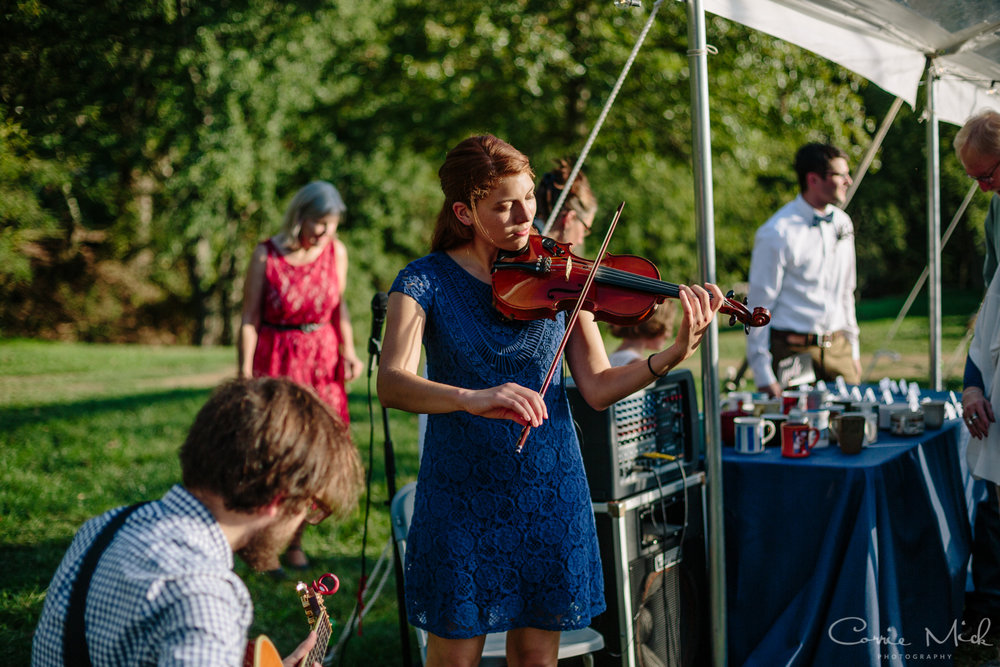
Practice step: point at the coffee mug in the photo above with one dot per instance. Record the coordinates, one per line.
(776, 418)
(933, 413)
(797, 439)
(751, 434)
(816, 398)
(885, 413)
(853, 430)
(726, 425)
(835, 411)
(792, 398)
(870, 410)
(819, 420)
(909, 422)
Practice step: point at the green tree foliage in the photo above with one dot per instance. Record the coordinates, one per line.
(29, 193)
(155, 143)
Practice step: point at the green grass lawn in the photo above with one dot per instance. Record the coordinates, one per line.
(84, 428)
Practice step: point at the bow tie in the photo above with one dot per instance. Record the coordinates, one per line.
(822, 218)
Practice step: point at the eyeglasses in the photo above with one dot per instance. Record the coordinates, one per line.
(580, 216)
(843, 174)
(317, 512)
(986, 180)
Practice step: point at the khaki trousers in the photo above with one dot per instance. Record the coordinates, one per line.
(828, 362)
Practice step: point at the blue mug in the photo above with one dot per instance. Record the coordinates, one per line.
(751, 434)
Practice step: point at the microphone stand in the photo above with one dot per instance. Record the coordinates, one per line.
(374, 355)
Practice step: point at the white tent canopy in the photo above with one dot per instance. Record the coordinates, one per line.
(889, 43)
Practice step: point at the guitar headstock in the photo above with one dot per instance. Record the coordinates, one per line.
(319, 620)
(260, 652)
(314, 607)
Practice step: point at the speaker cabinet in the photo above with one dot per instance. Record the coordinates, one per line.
(655, 577)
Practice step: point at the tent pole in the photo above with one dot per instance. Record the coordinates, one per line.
(933, 232)
(705, 221)
(866, 161)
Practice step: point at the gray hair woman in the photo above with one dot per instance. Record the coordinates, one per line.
(295, 322)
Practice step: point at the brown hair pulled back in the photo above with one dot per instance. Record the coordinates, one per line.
(470, 171)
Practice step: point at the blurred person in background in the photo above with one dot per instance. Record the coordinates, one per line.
(650, 334)
(804, 271)
(295, 322)
(576, 215)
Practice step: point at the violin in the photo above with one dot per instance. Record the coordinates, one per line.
(544, 278)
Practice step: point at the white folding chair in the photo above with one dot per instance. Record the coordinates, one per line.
(572, 643)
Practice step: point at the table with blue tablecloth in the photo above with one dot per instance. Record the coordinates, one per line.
(847, 560)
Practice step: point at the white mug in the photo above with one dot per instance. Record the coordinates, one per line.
(819, 420)
(871, 412)
(751, 433)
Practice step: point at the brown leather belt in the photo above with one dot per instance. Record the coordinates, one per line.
(807, 340)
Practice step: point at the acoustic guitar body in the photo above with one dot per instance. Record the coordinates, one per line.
(261, 653)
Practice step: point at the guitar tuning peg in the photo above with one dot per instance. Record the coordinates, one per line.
(323, 588)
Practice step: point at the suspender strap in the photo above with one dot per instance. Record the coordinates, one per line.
(75, 650)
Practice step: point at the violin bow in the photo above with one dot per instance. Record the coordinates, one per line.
(572, 320)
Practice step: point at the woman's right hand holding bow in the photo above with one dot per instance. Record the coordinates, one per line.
(507, 401)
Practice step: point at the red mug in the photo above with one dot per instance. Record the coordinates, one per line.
(796, 441)
(727, 427)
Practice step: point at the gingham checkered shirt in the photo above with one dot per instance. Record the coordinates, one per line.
(164, 592)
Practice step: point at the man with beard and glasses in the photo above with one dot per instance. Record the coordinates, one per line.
(262, 457)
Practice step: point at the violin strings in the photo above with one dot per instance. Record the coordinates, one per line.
(625, 279)
(620, 278)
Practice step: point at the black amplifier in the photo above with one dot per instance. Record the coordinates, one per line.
(639, 442)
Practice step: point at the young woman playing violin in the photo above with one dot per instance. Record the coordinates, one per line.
(500, 540)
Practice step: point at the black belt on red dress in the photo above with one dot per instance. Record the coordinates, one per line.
(308, 327)
(807, 339)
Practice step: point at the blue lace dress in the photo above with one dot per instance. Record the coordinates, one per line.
(498, 540)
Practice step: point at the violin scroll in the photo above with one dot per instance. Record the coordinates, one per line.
(738, 312)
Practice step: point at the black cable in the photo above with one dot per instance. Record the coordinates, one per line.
(363, 580)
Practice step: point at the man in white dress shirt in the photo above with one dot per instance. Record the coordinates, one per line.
(803, 270)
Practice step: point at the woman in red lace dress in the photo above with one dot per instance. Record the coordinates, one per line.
(295, 323)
